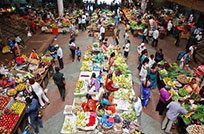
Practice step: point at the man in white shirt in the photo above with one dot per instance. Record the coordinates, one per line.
(18, 39)
(145, 33)
(151, 22)
(102, 32)
(199, 37)
(140, 48)
(126, 48)
(193, 49)
(83, 22)
(137, 107)
(155, 38)
(169, 26)
(60, 56)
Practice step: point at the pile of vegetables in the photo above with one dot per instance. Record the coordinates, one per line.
(182, 92)
(132, 116)
(163, 73)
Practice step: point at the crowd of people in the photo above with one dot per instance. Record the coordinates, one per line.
(147, 67)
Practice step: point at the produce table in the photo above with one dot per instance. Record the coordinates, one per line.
(12, 114)
(76, 119)
(178, 81)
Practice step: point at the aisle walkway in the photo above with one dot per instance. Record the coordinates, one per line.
(53, 117)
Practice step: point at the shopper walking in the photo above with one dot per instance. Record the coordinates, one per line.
(102, 33)
(60, 56)
(72, 48)
(117, 37)
(169, 27)
(126, 48)
(164, 99)
(59, 80)
(145, 33)
(155, 38)
(32, 111)
(146, 87)
(36, 89)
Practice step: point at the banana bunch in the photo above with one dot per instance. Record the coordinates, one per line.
(67, 125)
(80, 121)
(24, 57)
(79, 85)
(136, 132)
(85, 67)
(18, 107)
(20, 87)
(87, 58)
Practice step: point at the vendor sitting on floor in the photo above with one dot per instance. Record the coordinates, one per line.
(5, 83)
(195, 86)
(111, 60)
(107, 100)
(33, 58)
(90, 105)
(109, 84)
(94, 82)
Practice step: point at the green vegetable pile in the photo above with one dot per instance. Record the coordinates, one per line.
(163, 73)
(182, 92)
(175, 98)
(132, 116)
(199, 113)
(116, 94)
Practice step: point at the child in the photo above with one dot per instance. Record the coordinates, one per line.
(78, 54)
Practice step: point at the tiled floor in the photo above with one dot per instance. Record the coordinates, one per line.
(52, 115)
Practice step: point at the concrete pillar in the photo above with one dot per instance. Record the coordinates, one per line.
(60, 8)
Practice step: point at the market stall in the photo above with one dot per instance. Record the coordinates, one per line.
(13, 90)
(76, 120)
(183, 88)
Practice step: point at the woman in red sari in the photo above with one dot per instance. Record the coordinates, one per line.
(109, 84)
(90, 105)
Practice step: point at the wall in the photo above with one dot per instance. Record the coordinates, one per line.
(194, 4)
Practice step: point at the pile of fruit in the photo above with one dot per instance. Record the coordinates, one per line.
(79, 85)
(8, 120)
(182, 92)
(122, 81)
(80, 121)
(18, 107)
(129, 116)
(195, 129)
(67, 126)
(86, 66)
(20, 87)
(11, 92)
(87, 58)
(4, 101)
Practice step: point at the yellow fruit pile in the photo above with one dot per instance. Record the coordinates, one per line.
(12, 92)
(18, 107)
(87, 58)
(85, 66)
(24, 57)
(80, 121)
(122, 81)
(79, 85)
(20, 87)
(67, 125)
(126, 96)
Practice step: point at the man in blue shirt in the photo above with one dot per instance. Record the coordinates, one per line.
(32, 111)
